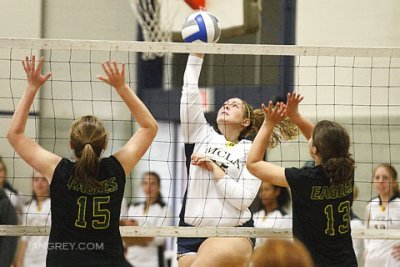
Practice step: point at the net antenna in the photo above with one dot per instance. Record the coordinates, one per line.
(154, 28)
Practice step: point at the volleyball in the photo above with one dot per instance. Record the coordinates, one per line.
(201, 26)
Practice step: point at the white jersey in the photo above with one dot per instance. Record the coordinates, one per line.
(378, 217)
(358, 243)
(36, 246)
(157, 215)
(273, 220)
(211, 203)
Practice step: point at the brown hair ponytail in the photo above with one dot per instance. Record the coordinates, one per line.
(88, 139)
(339, 169)
(333, 143)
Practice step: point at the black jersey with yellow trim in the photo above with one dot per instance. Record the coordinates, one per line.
(321, 215)
(85, 219)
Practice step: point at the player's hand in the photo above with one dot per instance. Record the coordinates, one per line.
(273, 114)
(292, 104)
(203, 161)
(33, 73)
(396, 252)
(115, 77)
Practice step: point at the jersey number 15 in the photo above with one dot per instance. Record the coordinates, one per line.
(101, 215)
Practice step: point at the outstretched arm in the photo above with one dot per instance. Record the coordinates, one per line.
(193, 121)
(138, 144)
(292, 111)
(40, 159)
(255, 160)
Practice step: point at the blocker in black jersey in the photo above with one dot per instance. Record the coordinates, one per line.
(86, 195)
(85, 220)
(321, 215)
(322, 195)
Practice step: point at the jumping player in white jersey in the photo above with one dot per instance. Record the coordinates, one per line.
(322, 195)
(383, 212)
(220, 188)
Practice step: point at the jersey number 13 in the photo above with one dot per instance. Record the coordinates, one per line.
(342, 210)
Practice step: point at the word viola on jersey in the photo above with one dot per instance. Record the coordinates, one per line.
(332, 191)
(106, 186)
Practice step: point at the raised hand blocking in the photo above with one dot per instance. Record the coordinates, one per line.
(115, 77)
(34, 74)
(272, 114)
(292, 104)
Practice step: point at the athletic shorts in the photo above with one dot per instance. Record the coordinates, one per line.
(190, 245)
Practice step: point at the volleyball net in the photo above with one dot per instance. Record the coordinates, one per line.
(357, 87)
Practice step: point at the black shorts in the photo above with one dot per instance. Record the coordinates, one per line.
(187, 245)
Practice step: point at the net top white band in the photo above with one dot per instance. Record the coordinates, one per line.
(173, 47)
(172, 231)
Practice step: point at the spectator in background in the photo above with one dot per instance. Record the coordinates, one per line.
(148, 251)
(281, 253)
(16, 200)
(8, 216)
(273, 211)
(383, 212)
(33, 249)
(356, 223)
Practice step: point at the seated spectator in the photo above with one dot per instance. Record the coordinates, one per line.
(383, 212)
(273, 209)
(147, 251)
(16, 200)
(33, 249)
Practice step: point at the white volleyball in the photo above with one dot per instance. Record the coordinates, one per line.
(201, 26)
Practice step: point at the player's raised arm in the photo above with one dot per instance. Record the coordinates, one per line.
(192, 116)
(138, 144)
(292, 111)
(36, 156)
(255, 160)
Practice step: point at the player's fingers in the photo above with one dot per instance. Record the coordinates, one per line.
(40, 65)
(264, 108)
(102, 78)
(123, 70)
(270, 106)
(47, 76)
(110, 66)
(276, 107)
(115, 67)
(281, 109)
(106, 68)
(33, 62)
(25, 64)
(289, 98)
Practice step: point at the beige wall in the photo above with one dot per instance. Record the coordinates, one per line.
(364, 23)
(20, 18)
